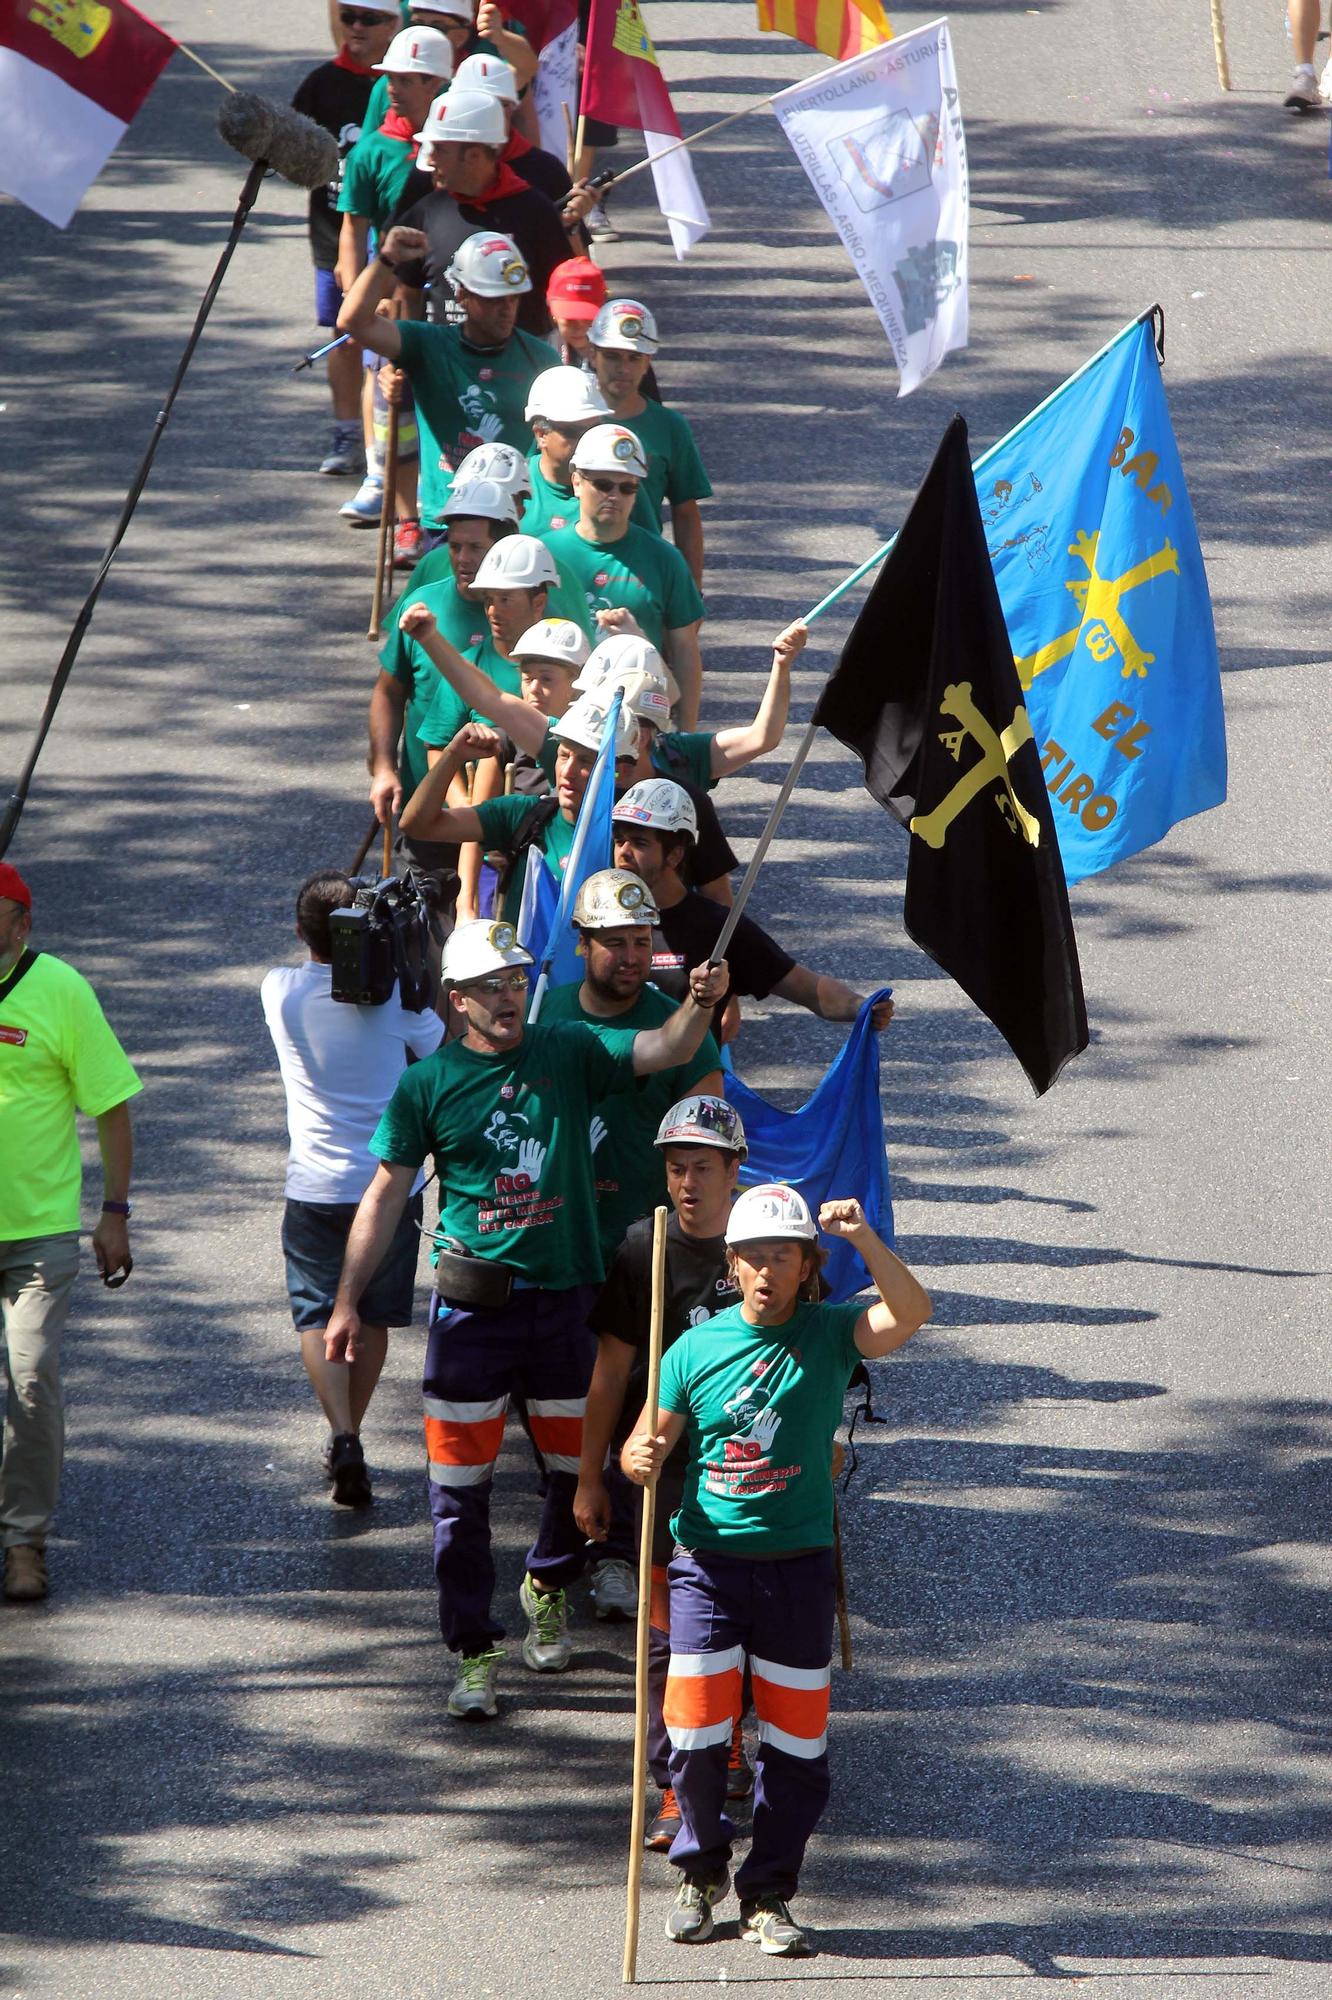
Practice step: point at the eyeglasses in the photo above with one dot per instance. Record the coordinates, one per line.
(568, 430)
(504, 982)
(616, 485)
(354, 17)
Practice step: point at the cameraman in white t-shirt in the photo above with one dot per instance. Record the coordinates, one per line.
(339, 1064)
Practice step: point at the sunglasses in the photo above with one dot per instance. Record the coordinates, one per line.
(616, 485)
(352, 17)
(574, 431)
(506, 982)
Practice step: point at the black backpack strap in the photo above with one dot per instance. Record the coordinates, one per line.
(26, 962)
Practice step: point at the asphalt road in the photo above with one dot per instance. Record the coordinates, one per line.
(1087, 1733)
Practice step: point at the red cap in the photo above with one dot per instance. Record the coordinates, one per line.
(13, 885)
(577, 289)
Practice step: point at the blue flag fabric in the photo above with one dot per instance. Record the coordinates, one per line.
(590, 852)
(830, 1148)
(540, 900)
(1096, 555)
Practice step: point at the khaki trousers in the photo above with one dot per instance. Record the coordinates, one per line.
(37, 1276)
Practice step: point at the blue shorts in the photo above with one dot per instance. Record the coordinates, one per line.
(314, 1239)
(328, 298)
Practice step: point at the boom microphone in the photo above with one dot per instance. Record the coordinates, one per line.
(283, 139)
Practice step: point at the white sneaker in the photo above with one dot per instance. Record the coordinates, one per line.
(614, 1589)
(1325, 83)
(474, 1690)
(546, 1649)
(1303, 94)
(600, 227)
(366, 504)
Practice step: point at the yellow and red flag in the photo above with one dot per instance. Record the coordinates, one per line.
(838, 28)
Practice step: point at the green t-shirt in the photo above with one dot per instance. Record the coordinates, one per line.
(552, 506)
(631, 1174)
(675, 470)
(509, 1134)
(464, 626)
(374, 174)
(644, 573)
(57, 1056)
(763, 1403)
(466, 396)
(448, 711)
(686, 756)
(500, 820)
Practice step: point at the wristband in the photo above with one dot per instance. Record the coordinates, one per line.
(117, 1208)
(387, 262)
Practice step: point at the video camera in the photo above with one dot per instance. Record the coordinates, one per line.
(381, 940)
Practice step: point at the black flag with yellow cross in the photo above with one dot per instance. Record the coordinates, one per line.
(927, 695)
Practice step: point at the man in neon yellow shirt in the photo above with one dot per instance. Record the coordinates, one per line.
(57, 1056)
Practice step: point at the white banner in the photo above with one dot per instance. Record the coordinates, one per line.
(555, 87)
(881, 139)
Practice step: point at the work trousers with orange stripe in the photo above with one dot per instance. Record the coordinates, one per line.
(779, 1616)
(539, 1345)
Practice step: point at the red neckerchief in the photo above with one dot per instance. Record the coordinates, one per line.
(397, 125)
(343, 61)
(516, 147)
(506, 182)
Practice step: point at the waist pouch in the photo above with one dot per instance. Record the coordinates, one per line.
(472, 1282)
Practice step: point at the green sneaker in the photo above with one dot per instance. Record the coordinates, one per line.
(473, 1694)
(768, 1923)
(690, 1920)
(546, 1649)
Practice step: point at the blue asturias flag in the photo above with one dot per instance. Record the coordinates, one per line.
(830, 1148)
(540, 900)
(1096, 555)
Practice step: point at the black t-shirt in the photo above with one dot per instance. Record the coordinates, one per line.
(336, 99)
(685, 937)
(531, 219)
(542, 171)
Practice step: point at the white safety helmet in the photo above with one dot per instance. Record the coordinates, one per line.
(492, 266)
(481, 499)
(503, 463)
(419, 52)
(583, 724)
(552, 641)
(515, 562)
(768, 1212)
(703, 1121)
(490, 75)
(566, 396)
(644, 696)
(462, 118)
(621, 653)
(380, 6)
(450, 10)
(658, 803)
(479, 947)
(613, 899)
(626, 324)
(610, 448)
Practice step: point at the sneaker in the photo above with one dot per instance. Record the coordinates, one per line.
(351, 1481)
(1325, 83)
(546, 1649)
(614, 1589)
(739, 1777)
(473, 1696)
(347, 455)
(665, 1826)
(690, 1920)
(600, 227)
(408, 545)
(768, 1923)
(25, 1574)
(366, 504)
(1303, 94)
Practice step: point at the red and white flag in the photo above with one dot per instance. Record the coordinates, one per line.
(72, 75)
(623, 84)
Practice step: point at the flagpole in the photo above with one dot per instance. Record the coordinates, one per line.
(610, 729)
(640, 166)
(872, 562)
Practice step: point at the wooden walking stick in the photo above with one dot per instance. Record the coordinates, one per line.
(1219, 45)
(388, 506)
(839, 1575)
(388, 846)
(364, 848)
(639, 1812)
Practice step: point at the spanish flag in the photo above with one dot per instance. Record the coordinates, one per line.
(838, 28)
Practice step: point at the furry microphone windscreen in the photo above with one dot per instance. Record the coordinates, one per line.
(293, 145)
